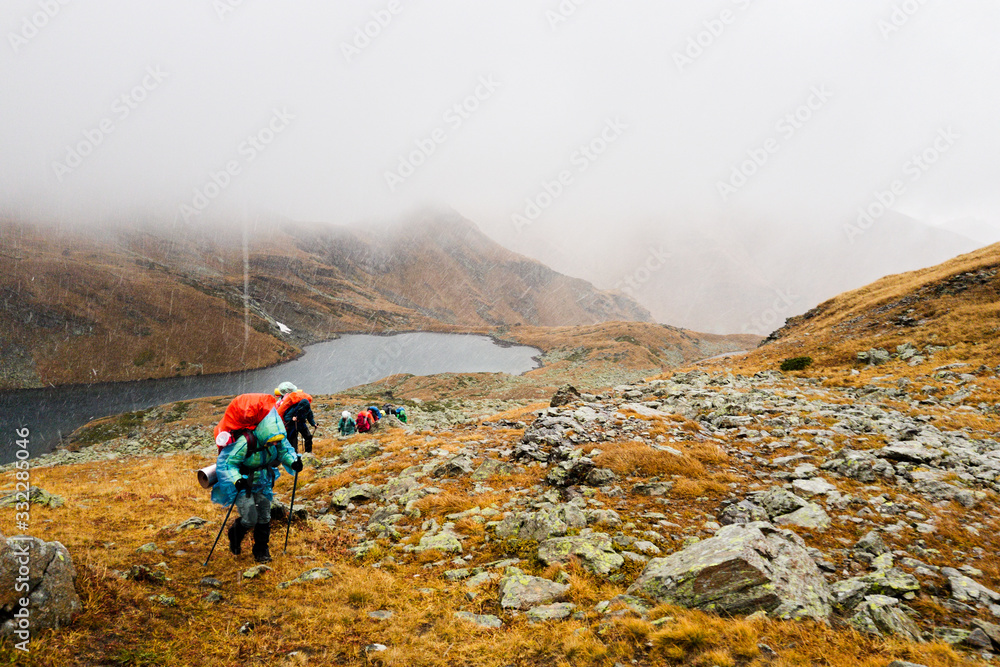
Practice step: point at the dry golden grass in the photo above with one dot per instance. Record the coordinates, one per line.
(637, 458)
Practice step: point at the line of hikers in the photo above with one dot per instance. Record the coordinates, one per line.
(368, 418)
(258, 434)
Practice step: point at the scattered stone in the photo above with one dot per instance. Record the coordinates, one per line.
(256, 571)
(595, 552)
(882, 615)
(564, 396)
(36, 496)
(454, 467)
(482, 620)
(190, 524)
(551, 612)
(315, 574)
(165, 600)
(359, 451)
(522, 592)
(380, 615)
(148, 548)
(811, 516)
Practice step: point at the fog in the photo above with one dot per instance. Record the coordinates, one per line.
(584, 133)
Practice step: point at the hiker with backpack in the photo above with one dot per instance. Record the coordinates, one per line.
(295, 408)
(247, 468)
(346, 426)
(399, 412)
(365, 421)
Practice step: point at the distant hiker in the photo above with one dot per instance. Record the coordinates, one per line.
(247, 469)
(399, 412)
(346, 425)
(242, 414)
(295, 409)
(364, 421)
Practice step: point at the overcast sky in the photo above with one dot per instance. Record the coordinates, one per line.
(117, 105)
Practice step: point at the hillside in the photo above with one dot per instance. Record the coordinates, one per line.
(947, 313)
(496, 533)
(145, 302)
(724, 515)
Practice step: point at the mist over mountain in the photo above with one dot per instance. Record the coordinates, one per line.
(745, 276)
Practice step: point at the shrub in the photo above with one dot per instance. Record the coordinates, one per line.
(796, 363)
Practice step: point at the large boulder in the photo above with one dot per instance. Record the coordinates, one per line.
(47, 571)
(882, 615)
(742, 569)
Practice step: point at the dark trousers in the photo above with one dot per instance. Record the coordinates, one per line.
(293, 430)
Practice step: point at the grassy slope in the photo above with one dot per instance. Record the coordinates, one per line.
(113, 509)
(955, 305)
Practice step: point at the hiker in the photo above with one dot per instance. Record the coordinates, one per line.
(346, 425)
(247, 470)
(376, 413)
(364, 421)
(295, 408)
(401, 414)
(396, 411)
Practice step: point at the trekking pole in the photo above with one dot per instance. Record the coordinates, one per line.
(291, 507)
(222, 528)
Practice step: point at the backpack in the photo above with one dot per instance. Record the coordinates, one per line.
(364, 423)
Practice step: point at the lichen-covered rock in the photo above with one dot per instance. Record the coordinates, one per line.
(862, 466)
(51, 580)
(315, 574)
(595, 551)
(521, 591)
(492, 467)
(742, 569)
(341, 498)
(882, 615)
(456, 466)
(36, 496)
(543, 524)
(965, 589)
(550, 612)
(811, 516)
(360, 450)
(570, 472)
(565, 395)
(777, 502)
(742, 512)
(482, 620)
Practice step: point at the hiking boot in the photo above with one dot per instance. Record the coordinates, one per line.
(236, 533)
(261, 536)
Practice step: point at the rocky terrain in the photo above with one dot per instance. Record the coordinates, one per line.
(600, 530)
